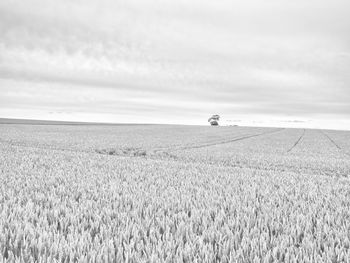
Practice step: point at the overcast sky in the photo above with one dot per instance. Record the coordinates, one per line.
(254, 62)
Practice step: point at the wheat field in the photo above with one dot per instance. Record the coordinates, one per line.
(167, 193)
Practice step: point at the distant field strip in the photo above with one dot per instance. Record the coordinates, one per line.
(297, 142)
(43, 147)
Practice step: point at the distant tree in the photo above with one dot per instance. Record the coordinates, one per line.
(214, 120)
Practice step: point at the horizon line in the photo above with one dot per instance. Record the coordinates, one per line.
(25, 121)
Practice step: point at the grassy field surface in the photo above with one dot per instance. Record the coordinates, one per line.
(167, 193)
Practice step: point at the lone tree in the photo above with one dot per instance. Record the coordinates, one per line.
(214, 120)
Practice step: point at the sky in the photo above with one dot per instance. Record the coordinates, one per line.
(254, 62)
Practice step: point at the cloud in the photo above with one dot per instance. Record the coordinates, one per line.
(277, 58)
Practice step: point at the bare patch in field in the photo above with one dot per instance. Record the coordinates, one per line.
(130, 151)
(135, 152)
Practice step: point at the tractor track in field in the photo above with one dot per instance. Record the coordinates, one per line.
(297, 141)
(335, 144)
(180, 146)
(226, 141)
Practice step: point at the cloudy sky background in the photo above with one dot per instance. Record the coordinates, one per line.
(254, 62)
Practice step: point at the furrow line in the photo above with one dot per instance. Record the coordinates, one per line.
(335, 144)
(297, 142)
(228, 141)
